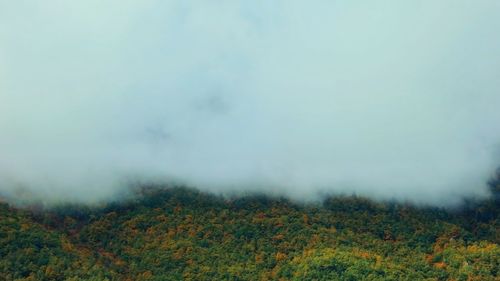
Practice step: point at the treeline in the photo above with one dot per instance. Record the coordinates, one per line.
(182, 234)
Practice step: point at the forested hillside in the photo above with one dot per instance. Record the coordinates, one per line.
(182, 234)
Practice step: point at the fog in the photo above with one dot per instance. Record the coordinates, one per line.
(386, 99)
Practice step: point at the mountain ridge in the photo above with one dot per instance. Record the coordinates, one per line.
(184, 234)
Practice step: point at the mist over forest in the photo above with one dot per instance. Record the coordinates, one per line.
(285, 140)
(389, 100)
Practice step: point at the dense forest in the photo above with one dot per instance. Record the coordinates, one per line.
(183, 234)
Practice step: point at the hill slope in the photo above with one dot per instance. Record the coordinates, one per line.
(181, 234)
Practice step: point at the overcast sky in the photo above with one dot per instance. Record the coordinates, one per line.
(389, 99)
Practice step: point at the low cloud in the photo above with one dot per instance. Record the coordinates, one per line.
(386, 99)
